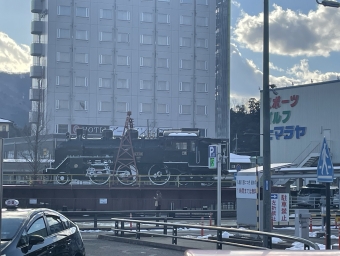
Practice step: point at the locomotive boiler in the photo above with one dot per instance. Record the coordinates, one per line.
(177, 155)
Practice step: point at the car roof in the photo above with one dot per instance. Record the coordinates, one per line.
(23, 213)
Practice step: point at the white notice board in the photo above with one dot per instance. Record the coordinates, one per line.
(246, 187)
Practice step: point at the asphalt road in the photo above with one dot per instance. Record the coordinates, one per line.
(99, 247)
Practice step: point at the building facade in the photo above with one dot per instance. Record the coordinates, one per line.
(95, 60)
(301, 116)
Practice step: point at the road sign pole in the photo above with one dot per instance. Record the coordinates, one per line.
(219, 185)
(328, 216)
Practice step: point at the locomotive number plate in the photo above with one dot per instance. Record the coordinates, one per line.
(138, 153)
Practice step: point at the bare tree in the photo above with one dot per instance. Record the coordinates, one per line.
(35, 152)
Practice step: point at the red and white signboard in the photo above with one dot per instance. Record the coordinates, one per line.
(280, 207)
(246, 187)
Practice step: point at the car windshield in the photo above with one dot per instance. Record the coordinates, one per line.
(9, 227)
(309, 191)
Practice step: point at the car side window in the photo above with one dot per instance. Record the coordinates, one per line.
(55, 223)
(38, 228)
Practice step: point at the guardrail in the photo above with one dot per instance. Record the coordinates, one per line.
(120, 229)
(96, 216)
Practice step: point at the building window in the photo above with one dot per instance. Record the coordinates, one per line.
(184, 109)
(163, 86)
(163, 0)
(202, 2)
(105, 59)
(61, 128)
(3, 127)
(202, 87)
(123, 38)
(185, 41)
(80, 105)
(185, 64)
(122, 83)
(104, 106)
(105, 14)
(63, 56)
(185, 20)
(145, 61)
(81, 58)
(145, 84)
(186, 1)
(122, 106)
(145, 107)
(63, 33)
(82, 35)
(202, 110)
(201, 65)
(146, 17)
(62, 80)
(163, 63)
(81, 81)
(105, 36)
(123, 15)
(184, 87)
(162, 108)
(64, 10)
(104, 82)
(122, 60)
(82, 12)
(202, 21)
(61, 104)
(145, 39)
(202, 42)
(163, 40)
(163, 18)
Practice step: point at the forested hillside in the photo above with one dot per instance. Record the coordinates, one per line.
(14, 100)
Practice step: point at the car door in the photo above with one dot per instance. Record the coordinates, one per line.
(59, 235)
(36, 227)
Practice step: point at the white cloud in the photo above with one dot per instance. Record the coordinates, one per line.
(14, 58)
(246, 77)
(292, 33)
(272, 66)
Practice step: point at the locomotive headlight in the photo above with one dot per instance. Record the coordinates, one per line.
(75, 166)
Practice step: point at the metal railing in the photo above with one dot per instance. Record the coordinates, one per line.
(120, 229)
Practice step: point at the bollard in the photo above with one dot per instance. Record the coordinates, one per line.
(310, 224)
(210, 219)
(130, 221)
(202, 232)
(339, 237)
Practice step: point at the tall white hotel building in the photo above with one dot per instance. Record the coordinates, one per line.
(96, 59)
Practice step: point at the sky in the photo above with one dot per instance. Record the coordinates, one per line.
(304, 43)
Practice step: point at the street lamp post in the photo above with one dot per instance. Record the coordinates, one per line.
(266, 176)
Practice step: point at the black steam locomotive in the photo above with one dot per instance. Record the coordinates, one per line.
(173, 155)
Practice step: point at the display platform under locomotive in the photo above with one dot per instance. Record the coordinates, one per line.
(173, 154)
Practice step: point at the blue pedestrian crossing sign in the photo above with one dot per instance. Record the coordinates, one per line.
(325, 171)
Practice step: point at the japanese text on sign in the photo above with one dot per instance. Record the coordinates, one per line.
(245, 187)
(287, 132)
(280, 207)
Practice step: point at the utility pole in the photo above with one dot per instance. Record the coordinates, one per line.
(266, 213)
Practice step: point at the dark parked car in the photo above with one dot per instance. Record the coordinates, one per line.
(38, 232)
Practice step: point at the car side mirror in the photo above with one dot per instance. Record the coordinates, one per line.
(35, 239)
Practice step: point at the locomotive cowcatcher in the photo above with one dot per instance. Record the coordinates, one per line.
(180, 154)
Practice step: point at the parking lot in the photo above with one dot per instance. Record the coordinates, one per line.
(98, 247)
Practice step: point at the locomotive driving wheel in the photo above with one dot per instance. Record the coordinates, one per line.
(159, 174)
(62, 178)
(99, 176)
(126, 175)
